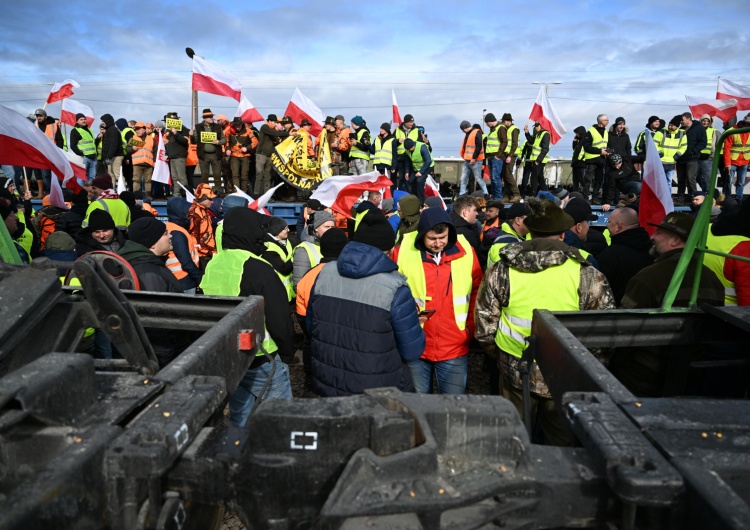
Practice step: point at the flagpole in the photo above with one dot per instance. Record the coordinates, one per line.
(194, 101)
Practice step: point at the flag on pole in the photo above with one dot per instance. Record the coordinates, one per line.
(259, 204)
(161, 166)
(121, 183)
(656, 194)
(248, 112)
(79, 171)
(431, 189)
(543, 112)
(724, 109)
(301, 107)
(62, 90)
(728, 90)
(71, 107)
(215, 79)
(56, 195)
(188, 194)
(340, 192)
(23, 144)
(396, 115)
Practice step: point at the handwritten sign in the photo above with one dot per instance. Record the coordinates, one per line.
(208, 137)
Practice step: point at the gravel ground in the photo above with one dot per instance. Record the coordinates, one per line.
(478, 383)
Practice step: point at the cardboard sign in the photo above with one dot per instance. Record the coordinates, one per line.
(137, 142)
(208, 137)
(174, 124)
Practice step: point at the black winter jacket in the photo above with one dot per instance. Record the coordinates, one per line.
(627, 254)
(112, 140)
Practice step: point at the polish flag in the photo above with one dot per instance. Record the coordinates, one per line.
(71, 107)
(340, 192)
(724, 109)
(656, 194)
(62, 90)
(301, 107)
(543, 112)
(188, 194)
(23, 144)
(248, 112)
(396, 115)
(79, 171)
(215, 79)
(431, 189)
(261, 202)
(729, 90)
(161, 166)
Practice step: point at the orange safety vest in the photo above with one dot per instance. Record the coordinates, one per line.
(486, 228)
(237, 146)
(50, 131)
(192, 154)
(144, 155)
(470, 146)
(173, 263)
(150, 209)
(46, 227)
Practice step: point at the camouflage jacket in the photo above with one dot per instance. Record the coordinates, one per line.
(532, 256)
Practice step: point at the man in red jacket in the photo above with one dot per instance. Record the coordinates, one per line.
(737, 157)
(443, 274)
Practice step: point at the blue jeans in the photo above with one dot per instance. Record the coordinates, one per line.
(418, 183)
(496, 176)
(704, 173)
(243, 398)
(670, 172)
(741, 173)
(90, 166)
(476, 169)
(451, 375)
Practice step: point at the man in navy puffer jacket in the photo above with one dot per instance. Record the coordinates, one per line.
(362, 317)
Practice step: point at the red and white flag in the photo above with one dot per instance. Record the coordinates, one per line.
(729, 90)
(340, 192)
(431, 189)
(656, 192)
(396, 115)
(301, 107)
(215, 79)
(23, 144)
(161, 166)
(62, 90)
(543, 112)
(248, 112)
(724, 109)
(79, 171)
(260, 203)
(188, 194)
(71, 107)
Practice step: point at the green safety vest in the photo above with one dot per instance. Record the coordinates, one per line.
(401, 135)
(529, 291)
(116, 208)
(26, 239)
(65, 142)
(723, 244)
(494, 254)
(669, 144)
(286, 280)
(86, 143)
(124, 142)
(357, 152)
(410, 265)
(493, 141)
(416, 157)
(519, 149)
(600, 142)
(536, 147)
(223, 277)
(383, 151)
(99, 150)
(313, 252)
(710, 132)
(510, 138)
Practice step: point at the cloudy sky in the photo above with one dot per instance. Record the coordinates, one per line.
(447, 61)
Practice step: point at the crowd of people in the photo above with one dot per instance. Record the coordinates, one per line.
(393, 293)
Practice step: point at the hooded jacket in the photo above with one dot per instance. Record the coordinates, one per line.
(85, 242)
(627, 254)
(469, 231)
(363, 323)
(153, 274)
(577, 159)
(445, 340)
(111, 141)
(243, 231)
(620, 143)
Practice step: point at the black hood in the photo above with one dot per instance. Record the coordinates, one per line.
(580, 131)
(243, 230)
(429, 218)
(108, 120)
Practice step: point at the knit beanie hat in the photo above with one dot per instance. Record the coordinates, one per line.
(100, 220)
(464, 125)
(276, 225)
(409, 206)
(358, 120)
(103, 182)
(80, 115)
(375, 230)
(386, 127)
(146, 231)
(333, 242)
(59, 241)
(321, 217)
(676, 121)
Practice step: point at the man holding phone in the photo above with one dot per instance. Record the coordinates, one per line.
(443, 273)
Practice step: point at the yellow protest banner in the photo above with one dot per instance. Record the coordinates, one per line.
(208, 137)
(174, 124)
(292, 164)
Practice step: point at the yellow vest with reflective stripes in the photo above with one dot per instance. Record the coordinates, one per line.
(115, 207)
(122, 137)
(669, 144)
(416, 157)
(536, 147)
(738, 148)
(357, 152)
(529, 291)
(410, 265)
(510, 138)
(285, 279)
(723, 244)
(223, 277)
(383, 151)
(313, 252)
(600, 142)
(493, 141)
(86, 143)
(494, 254)
(401, 135)
(710, 132)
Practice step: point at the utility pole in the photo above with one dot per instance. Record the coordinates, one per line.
(546, 85)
